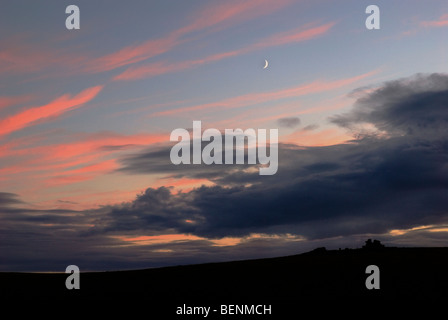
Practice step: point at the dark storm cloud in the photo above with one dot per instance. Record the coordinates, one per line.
(7, 198)
(368, 186)
(372, 184)
(157, 160)
(45, 240)
(290, 122)
(414, 106)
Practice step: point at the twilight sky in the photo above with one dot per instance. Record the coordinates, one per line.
(86, 117)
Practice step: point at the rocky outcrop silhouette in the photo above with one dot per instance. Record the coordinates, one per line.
(373, 245)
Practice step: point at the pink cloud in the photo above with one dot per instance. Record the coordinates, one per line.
(87, 172)
(53, 109)
(230, 12)
(20, 55)
(441, 22)
(7, 101)
(217, 15)
(261, 97)
(70, 162)
(294, 36)
(132, 54)
(326, 137)
(97, 144)
(157, 68)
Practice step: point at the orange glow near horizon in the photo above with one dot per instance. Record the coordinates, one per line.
(223, 242)
(443, 229)
(165, 238)
(399, 232)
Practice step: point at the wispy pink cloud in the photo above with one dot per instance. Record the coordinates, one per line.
(326, 137)
(441, 22)
(210, 18)
(293, 36)
(157, 68)
(132, 54)
(21, 55)
(53, 109)
(84, 173)
(227, 13)
(98, 144)
(69, 162)
(259, 116)
(7, 101)
(261, 97)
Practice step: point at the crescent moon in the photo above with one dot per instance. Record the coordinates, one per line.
(266, 64)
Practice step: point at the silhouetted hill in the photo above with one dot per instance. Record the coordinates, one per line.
(405, 273)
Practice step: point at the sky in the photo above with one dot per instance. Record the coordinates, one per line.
(86, 116)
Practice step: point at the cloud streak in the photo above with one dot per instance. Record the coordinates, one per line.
(441, 22)
(7, 101)
(262, 97)
(289, 122)
(158, 68)
(49, 111)
(210, 18)
(71, 161)
(19, 58)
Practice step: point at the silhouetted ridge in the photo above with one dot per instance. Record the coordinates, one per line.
(321, 274)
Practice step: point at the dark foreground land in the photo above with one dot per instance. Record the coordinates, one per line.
(319, 275)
